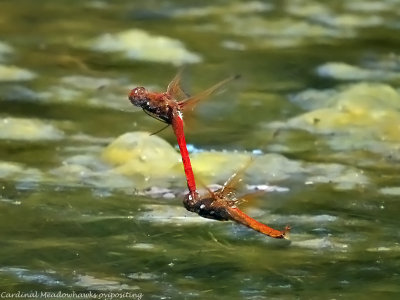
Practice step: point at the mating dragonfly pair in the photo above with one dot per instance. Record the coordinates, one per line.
(220, 204)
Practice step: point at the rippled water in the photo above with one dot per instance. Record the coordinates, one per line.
(318, 107)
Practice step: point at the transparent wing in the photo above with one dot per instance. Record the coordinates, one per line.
(204, 186)
(231, 184)
(191, 102)
(174, 87)
(249, 196)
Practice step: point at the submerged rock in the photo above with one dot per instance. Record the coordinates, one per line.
(13, 73)
(371, 6)
(47, 278)
(93, 91)
(25, 177)
(343, 71)
(361, 119)
(275, 167)
(216, 166)
(348, 20)
(84, 90)
(101, 284)
(18, 93)
(233, 8)
(142, 153)
(134, 161)
(307, 8)
(72, 173)
(391, 191)
(28, 130)
(282, 33)
(369, 109)
(321, 244)
(8, 169)
(137, 44)
(139, 154)
(78, 175)
(5, 50)
(340, 176)
(152, 167)
(290, 24)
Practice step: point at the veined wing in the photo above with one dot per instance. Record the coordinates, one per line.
(174, 87)
(191, 102)
(231, 184)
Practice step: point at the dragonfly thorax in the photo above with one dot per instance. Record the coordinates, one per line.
(158, 105)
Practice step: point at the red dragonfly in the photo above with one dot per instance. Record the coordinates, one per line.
(167, 108)
(218, 205)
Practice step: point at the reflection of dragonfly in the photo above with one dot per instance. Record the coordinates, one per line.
(167, 108)
(222, 204)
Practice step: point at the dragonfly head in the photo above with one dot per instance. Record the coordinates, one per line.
(138, 96)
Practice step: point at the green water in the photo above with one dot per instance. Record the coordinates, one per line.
(81, 237)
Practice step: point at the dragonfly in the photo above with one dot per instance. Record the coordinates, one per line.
(167, 108)
(222, 205)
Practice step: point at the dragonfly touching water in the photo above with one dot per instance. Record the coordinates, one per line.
(222, 204)
(216, 205)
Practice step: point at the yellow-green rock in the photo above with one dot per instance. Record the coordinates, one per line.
(360, 108)
(343, 71)
(216, 166)
(28, 129)
(141, 153)
(13, 73)
(137, 44)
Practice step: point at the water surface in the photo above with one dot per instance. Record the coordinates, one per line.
(318, 105)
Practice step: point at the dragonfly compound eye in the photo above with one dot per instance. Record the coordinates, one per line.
(138, 95)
